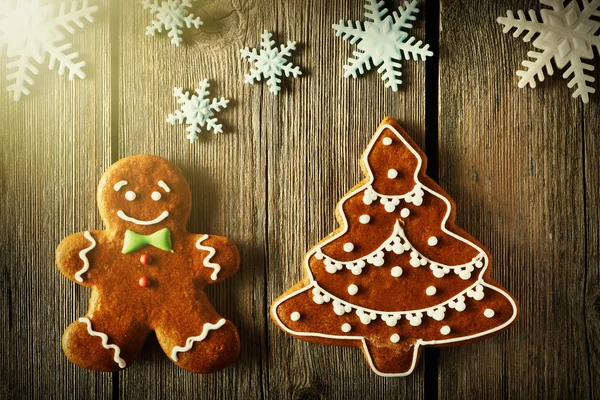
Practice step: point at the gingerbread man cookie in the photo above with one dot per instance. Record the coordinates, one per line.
(147, 273)
(397, 274)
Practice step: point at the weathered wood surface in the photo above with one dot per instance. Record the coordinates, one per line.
(521, 164)
(523, 168)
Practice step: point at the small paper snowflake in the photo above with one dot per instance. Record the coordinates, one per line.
(382, 41)
(566, 34)
(197, 111)
(270, 62)
(171, 15)
(31, 31)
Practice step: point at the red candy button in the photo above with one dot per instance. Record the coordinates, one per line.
(146, 259)
(144, 281)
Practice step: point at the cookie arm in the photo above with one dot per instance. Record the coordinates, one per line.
(217, 257)
(73, 256)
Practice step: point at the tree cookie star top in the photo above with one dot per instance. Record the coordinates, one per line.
(382, 41)
(397, 274)
(148, 273)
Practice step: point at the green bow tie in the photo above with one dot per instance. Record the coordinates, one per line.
(134, 241)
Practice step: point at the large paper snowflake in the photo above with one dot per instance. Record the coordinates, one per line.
(197, 111)
(566, 35)
(270, 62)
(31, 31)
(172, 15)
(382, 41)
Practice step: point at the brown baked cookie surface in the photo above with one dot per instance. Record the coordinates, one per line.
(397, 274)
(147, 273)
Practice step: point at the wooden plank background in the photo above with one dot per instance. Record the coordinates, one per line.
(522, 165)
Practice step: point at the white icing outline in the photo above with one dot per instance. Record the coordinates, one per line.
(156, 220)
(105, 344)
(191, 340)
(206, 262)
(119, 185)
(83, 256)
(344, 226)
(163, 185)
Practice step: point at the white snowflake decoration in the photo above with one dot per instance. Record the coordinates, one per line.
(172, 15)
(30, 31)
(382, 41)
(197, 111)
(566, 34)
(270, 62)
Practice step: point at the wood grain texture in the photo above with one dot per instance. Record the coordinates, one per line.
(55, 146)
(591, 156)
(522, 165)
(226, 173)
(513, 160)
(316, 131)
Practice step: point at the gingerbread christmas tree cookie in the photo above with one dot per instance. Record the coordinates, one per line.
(147, 273)
(397, 274)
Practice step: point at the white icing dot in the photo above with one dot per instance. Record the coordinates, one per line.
(395, 338)
(489, 313)
(346, 328)
(130, 195)
(432, 241)
(396, 272)
(156, 196)
(352, 289)
(348, 247)
(445, 330)
(405, 212)
(431, 290)
(387, 141)
(295, 316)
(392, 173)
(364, 219)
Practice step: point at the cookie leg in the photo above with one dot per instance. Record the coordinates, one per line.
(392, 359)
(203, 342)
(103, 342)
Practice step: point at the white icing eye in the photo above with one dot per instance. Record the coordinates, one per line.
(395, 338)
(387, 141)
(431, 290)
(295, 316)
(346, 328)
(130, 195)
(348, 247)
(432, 241)
(445, 330)
(156, 196)
(392, 173)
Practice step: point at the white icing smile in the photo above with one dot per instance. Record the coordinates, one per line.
(156, 220)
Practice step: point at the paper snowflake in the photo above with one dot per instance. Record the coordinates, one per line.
(382, 41)
(172, 15)
(197, 111)
(31, 31)
(270, 62)
(566, 35)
